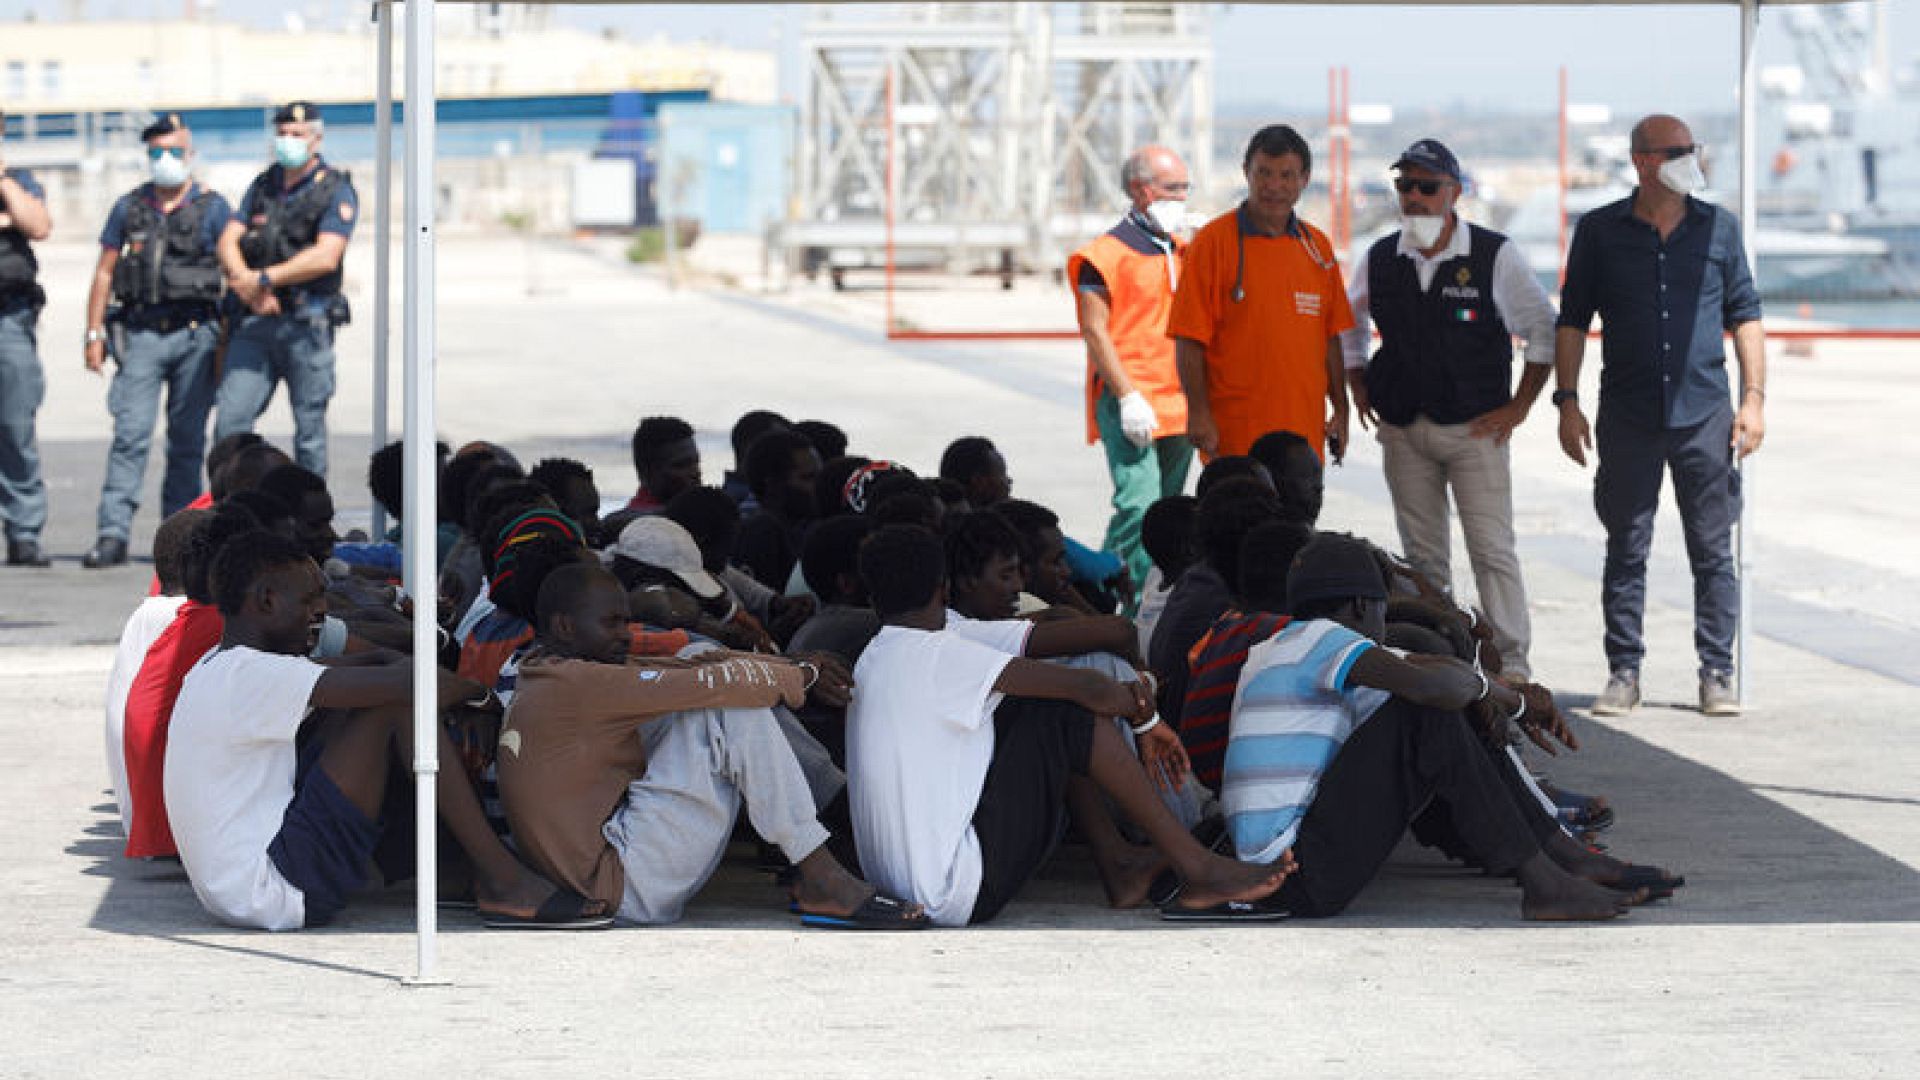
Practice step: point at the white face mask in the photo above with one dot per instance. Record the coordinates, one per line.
(1169, 214)
(1424, 229)
(169, 170)
(1682, 175)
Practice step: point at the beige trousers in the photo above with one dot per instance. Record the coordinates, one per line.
(1422, 461)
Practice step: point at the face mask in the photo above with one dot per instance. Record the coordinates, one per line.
(1424, 229)
(1682, 174)
(290, 151)
(1169, 214)
(169, 170)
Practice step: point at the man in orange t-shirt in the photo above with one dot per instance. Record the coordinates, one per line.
(1123, 285)
(1258, 313)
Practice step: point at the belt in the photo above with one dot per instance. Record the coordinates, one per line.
(167, 322)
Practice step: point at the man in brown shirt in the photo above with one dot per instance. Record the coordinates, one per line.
(622, 779)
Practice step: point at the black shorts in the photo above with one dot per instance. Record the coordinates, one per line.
(324, 840)
(1022, 813)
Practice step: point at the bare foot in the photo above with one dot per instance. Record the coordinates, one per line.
(1553, 895)
(1218, 880)
(1608, 871)
(1129, 879)
(824, 887)
(522, 897)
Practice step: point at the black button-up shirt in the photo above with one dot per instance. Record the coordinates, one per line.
(1664, 306)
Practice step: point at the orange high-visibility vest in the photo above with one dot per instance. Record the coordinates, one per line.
(1139, 298)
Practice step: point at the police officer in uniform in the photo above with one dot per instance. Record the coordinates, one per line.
(160, 268)
(23, 495)
(1449, 297)
(282, 255)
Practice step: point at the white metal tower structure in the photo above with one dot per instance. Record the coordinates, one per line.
(998, 125)
(1122, 75)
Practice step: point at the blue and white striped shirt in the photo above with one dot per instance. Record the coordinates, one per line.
(1292, 711)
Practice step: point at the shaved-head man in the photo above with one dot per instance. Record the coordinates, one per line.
(1668, 276)
(1123, 286)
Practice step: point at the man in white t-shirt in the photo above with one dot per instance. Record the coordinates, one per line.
(273, 832)
(960, 752)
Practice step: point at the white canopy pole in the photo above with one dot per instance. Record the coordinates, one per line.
(1749, 221)
(382, 236)
(420, 483)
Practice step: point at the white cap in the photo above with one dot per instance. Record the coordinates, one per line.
(664, 544)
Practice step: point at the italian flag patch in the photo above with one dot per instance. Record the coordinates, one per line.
(1465, 315)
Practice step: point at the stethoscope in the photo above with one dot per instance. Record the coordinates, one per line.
(1241, 223)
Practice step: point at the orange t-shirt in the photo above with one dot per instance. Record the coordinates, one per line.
(1266, 355)
(1139, 297)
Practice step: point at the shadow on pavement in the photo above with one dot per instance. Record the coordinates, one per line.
(1748, 860)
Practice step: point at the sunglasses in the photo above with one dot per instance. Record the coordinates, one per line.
(1674, 153)
(155, 153)
(1404, 184)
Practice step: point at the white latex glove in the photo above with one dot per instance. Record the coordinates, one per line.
(1137, 421)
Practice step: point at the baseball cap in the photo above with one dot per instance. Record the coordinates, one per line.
(1334, 566)
(296, 112)
(663, 543)
(1431, 154)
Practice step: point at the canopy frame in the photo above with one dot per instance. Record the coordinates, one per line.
(418, 327)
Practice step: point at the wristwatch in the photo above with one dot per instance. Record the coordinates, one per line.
(96, 333)
(265, 281)
(1561, 397)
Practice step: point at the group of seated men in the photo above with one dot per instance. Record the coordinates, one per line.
(917, 686)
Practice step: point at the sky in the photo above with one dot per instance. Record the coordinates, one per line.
(1679, 58)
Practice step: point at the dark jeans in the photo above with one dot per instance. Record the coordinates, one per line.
(1022, 812)
(1403, 756)
(1626, 493)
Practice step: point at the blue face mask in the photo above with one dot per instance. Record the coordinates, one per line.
(291, 151)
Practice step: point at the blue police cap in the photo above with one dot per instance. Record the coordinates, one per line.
(296, 112)
(1431, 154)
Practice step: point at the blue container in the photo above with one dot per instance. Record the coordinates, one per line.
(728, 166)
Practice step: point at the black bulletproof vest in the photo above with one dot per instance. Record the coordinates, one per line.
(1444, 352)
(164, 258)
(290, 225)
(18, 268)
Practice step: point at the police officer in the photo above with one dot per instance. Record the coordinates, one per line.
(1449, 297)
(282, 255)
(23, 495)
(159, 266)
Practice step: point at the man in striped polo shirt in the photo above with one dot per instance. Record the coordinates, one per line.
(1335, 744)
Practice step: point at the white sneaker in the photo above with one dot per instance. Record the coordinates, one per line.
(1717, 697)
(1620, 696)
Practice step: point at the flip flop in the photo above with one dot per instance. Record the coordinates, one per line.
(1579, 813)
(876, 912)
(563, 910)
(1209, 833)
(1265, 909)
(1658, 883)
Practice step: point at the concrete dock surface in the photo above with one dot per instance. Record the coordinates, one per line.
(1793, 952)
